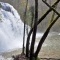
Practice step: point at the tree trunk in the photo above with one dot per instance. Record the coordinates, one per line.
(34, 31)
(28, 38)
(24, 27)
(32, 19)
(44, 37)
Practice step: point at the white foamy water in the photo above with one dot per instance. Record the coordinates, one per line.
(11, 28)
(39, 35)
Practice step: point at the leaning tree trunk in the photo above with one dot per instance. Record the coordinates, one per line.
(44, 37)
(34, 31)
(47, 31)
(28, 38)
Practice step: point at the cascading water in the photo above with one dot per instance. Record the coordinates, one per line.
(11, 28)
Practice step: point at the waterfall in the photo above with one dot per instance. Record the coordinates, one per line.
(11, 28)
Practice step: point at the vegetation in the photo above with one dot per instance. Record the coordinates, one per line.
(33, 56)
(30, 17)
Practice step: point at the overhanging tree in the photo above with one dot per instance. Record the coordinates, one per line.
(34, 31)
(24, 27)
(28, 38)
(47, 30)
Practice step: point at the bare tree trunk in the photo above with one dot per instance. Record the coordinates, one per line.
(53, 15)
(24, 27)
(44, 37)
(47, 31)
(28, 38)
(34, 31)
(51, 7)
(23, 39)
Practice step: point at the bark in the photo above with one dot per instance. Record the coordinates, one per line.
(51, 7)
(34, 31)
(23, 39)
(28, 38)
(53, 15)
(24, 27)
(47, 31)
(44, 37)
